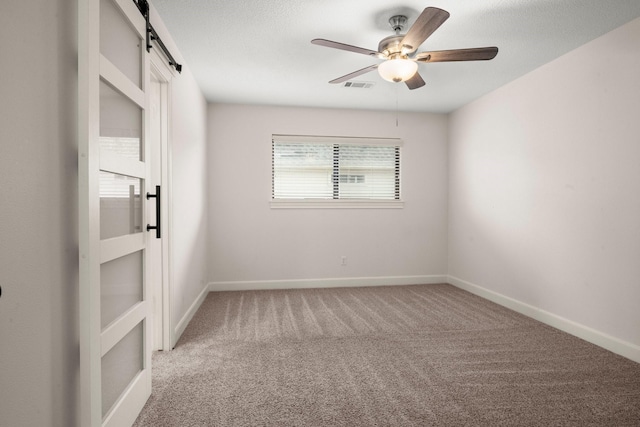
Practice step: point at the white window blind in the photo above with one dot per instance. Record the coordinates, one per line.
(118, 186)
(331, 168)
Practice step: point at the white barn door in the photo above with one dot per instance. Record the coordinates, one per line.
(115, 312)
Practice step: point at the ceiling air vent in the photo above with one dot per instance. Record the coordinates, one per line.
(359, 85)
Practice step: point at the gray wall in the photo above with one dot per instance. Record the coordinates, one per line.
(249, 241)
(545, 188)
(189, 169)
(38, 221)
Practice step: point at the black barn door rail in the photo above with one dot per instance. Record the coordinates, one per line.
(143, 7)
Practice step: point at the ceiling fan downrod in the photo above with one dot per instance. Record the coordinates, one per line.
(398, 22)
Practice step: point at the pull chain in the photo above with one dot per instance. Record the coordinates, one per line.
(396, 105)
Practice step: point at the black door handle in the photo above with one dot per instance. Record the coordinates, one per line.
(157, 226)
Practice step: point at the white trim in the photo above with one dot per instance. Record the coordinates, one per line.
(130, 404)
(120, 327)
(112, 162)
(147, 286)
(134, 17)
(90, 394)
(161, 71)
(167, 180)
(117, 247)
(115, 78)
(347, 282)
(613, 344)
(161, 62)
(343, 140)
(182, 324)
(335, 204)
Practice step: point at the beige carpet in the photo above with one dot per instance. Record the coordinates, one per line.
(429, 355)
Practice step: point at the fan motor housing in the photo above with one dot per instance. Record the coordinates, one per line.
(391, 46)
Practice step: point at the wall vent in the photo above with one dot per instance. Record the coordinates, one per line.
(360, 85)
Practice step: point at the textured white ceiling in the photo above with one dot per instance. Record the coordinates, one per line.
(259, 52)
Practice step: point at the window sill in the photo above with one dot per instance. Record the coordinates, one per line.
(335, 204)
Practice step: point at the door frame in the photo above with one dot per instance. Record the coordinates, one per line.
(164, 74)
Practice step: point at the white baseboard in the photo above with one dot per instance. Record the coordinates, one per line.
(182, 324)
(615, 345)
(326, 283)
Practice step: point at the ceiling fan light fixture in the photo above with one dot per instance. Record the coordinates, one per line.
(395, 50)
(397, 70)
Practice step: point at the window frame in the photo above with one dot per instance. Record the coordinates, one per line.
(317, 203)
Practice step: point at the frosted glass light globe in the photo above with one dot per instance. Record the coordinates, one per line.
(397, 70)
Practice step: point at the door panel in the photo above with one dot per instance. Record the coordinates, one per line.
(121, 286)
(120, 366)
(114, 175)
(119, 42)
(120, 205)
(120, 123)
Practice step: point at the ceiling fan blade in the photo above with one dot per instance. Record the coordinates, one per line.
(473, 54)
(429, 20)
(354, 74)
(415, 82)
(347, 47)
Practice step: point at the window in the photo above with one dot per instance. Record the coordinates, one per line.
(311, 171)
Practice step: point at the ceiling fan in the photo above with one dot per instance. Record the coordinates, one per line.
(398, 51)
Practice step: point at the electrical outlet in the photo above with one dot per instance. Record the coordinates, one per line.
(343, 260)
